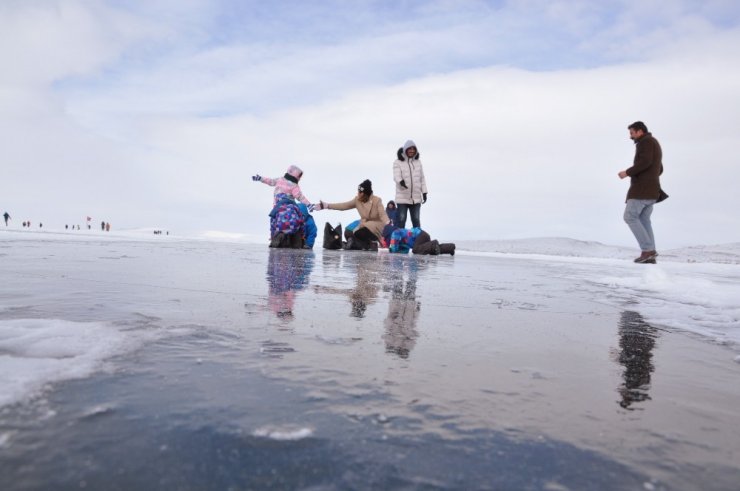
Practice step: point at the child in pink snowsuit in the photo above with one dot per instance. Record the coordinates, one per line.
(288, 184)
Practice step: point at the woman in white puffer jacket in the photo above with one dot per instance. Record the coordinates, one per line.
(411, 187)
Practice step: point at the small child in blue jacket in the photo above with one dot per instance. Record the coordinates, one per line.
(310, 230)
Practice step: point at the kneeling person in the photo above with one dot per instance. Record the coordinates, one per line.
(418, 241)
(372, 217)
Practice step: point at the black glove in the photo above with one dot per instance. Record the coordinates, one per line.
(424, 197)
(403, 184)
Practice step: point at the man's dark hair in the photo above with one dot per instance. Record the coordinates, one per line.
(637, 126)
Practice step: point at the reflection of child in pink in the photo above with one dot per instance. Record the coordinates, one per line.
(287, 274)
(281, 303)
(288, 184)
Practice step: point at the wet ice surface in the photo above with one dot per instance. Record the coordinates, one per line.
(203, 365)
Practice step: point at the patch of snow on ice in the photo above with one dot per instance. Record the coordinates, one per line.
(283, 434)
(548, 246)
(35, 352)
(705, 304)
(566, 247)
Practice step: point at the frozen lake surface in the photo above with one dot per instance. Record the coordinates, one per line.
(131, 362)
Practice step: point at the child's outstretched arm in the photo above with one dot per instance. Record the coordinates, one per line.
(265, 180)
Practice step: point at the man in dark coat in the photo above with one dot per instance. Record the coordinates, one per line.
(644, 189)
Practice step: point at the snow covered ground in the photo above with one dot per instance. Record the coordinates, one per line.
(696, 288)
(559, 246)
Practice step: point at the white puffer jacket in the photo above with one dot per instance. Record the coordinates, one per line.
(411, 172)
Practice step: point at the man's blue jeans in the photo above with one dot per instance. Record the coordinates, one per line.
(637, 215)
(414, 209)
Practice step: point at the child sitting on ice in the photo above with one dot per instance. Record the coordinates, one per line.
(287, 223)
(288, 184)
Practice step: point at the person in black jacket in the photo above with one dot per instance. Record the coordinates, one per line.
(644, 189)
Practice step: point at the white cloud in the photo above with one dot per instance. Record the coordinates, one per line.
(170, 138)
(42, 42)
(507, 152)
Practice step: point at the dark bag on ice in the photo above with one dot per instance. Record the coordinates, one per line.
(332, 236)
(662, 196)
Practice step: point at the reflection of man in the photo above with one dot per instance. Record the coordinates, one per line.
(644, 189)
(403, 311)
(287, 273)
(636, 340)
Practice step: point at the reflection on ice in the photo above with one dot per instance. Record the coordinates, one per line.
(366, 379)
(367, 272)
(288, 272)
(636, 340)
(403, 308)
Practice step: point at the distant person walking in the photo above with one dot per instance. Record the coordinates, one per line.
(102, 226)
(6, 216)
(411, 186)
(644, 189)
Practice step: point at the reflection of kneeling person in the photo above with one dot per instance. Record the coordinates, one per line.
(372, 216)
(418, 241)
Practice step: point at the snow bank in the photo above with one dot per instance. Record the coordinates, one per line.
(549, 246)
(703, 299)
(565, 247)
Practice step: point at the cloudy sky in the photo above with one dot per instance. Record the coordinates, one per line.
(156, 114)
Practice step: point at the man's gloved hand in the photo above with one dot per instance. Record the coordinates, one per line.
(311, 207)
(257, 177)
(424, 197)
(403, 184)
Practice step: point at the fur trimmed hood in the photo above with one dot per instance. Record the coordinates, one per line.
(401, 154)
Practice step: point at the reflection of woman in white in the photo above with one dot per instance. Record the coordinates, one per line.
(403, 311)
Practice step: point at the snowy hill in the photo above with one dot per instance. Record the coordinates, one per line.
(561, 246)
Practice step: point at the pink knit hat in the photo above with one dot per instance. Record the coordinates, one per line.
(295, 171)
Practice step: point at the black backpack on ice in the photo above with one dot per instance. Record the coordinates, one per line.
(332, 236)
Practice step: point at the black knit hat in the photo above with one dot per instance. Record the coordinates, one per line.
(366, 187)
